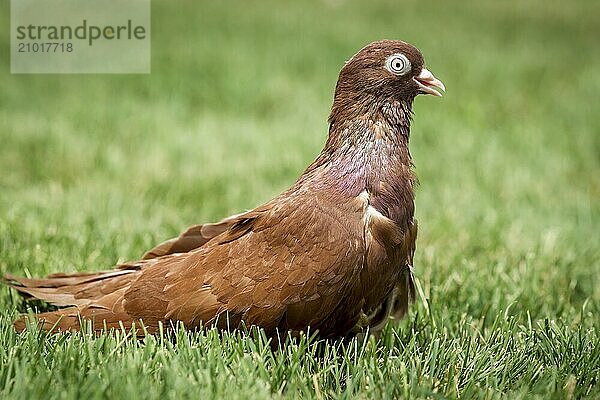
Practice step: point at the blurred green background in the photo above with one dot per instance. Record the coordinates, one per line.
(98, 168)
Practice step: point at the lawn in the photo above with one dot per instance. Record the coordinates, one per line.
(98, 168)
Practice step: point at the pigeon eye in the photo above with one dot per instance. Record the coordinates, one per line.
(397, 64)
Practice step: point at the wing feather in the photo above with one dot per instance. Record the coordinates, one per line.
(269, 263)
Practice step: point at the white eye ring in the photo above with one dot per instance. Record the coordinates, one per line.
(397, 64)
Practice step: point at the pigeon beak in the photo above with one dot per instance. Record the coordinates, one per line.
(428, 83)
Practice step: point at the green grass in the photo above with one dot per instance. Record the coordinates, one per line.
(96, 169)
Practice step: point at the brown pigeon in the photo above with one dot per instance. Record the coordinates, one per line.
(333, 253)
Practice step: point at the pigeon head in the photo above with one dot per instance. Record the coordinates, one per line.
(381, 74)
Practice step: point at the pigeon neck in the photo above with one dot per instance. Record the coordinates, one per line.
(361, 126)
(365, 151)
(379, 130)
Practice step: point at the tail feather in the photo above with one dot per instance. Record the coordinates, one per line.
(95, 298)
(73, 290)
(62, 279)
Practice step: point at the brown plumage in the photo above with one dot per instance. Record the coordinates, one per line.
(333, 252)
